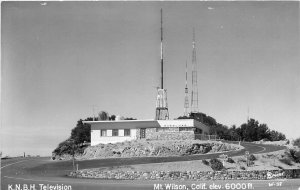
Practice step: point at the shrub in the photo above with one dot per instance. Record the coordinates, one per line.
(230, 160)
(286, 161)
(242, 168)
(252, 157)
(216, 164)
(295, 155)
(297, 142)
(205, 162)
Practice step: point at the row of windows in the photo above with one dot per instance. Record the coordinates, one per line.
(115, 132)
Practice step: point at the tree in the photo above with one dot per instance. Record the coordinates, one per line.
(81, 133)
(263, 132)
(250, 131)
(234, 134)
(103, 116)
(297, 142)
(112, 117)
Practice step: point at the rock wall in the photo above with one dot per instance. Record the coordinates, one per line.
(188, 175)
(172, 133)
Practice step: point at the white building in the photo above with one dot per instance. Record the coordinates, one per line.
(125, 130)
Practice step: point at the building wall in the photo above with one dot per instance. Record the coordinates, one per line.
(155, 130)
(96, 138)
(172, 134)
(176, 123)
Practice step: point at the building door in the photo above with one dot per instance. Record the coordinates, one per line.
(142, 133)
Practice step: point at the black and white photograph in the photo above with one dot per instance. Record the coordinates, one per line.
(154, 95)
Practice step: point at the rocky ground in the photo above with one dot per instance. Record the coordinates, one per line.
(153, 148)
(267, 161)
(260, 168)
(143, 148)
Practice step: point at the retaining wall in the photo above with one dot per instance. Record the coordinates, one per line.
(188, 175)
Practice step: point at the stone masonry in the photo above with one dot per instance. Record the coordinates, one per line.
(172, 134)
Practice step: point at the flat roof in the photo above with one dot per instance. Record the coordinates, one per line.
(127, 124)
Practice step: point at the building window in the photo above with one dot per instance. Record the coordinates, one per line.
(115, 132)
(126, 132)
(103, 133)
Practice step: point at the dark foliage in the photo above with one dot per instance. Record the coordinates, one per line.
(250, 131)
(216, 164)
(197, 148)
(252, 157)
(242, 168)
(82, 132)
(205, 162)
(129, 118)
(295, 155)
(297, 142)
(112, 117)
(80, 135)
(103, 116)
(230, 160)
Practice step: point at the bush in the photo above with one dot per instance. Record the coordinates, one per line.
(286, 161)
(216, 164)
(69, 147)
(205, 162)
(252, 157)
(230, 160)
(297, 142)
(243, 168)
(295, 155)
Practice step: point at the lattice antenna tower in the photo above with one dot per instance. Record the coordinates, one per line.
(194, 101)
(161, 112)
(186, 95)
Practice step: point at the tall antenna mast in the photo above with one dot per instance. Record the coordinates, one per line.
(194, 101)
(186, 97)
(161, 112)
(161, 51)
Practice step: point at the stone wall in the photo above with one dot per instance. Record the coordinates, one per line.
(172, 134)
(188, 175)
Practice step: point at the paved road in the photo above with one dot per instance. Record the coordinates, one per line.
(42, 171)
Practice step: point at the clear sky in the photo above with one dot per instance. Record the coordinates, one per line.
(61, 58)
